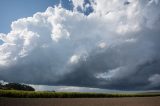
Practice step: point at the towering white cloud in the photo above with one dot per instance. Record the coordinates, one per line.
(116, 43)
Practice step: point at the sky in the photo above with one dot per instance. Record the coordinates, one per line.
(103, 44)
(15, 9)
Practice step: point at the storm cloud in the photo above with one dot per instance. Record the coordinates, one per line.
(111, 44)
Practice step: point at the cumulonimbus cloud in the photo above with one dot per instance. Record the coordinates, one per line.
(115, 46)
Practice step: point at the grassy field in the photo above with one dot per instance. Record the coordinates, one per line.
(33, 94)
(32, 98)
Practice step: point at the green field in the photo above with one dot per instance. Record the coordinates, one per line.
(45, 94)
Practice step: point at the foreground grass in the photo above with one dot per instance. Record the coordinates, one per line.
(33, 94)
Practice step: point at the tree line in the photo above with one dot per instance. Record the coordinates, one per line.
(16, 86)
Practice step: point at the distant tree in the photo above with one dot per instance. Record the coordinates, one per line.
(51, 91)
(1, 86)
(17, 86)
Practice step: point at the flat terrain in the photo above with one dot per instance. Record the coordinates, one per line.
(125, 101)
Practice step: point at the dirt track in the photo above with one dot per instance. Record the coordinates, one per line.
(135, 101)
